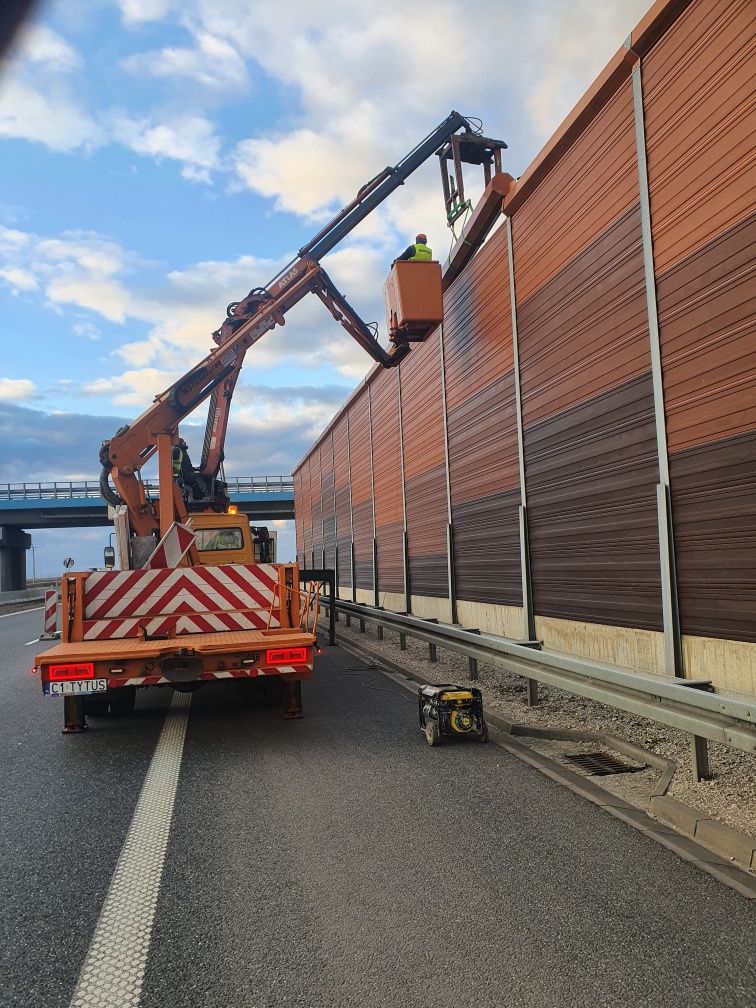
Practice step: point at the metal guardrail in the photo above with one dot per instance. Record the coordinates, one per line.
(63, 490)
(687, 705)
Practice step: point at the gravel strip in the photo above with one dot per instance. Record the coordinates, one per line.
(730, 795)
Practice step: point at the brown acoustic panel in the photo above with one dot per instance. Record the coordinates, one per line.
(427, 520)
(363, 544)
(359, 449)
(340, 451)
(341, 478)
(387, 471)
(707, 327)
(586, 330)
(298, 515)
(304, 471)
(327, 476)
(343, 513)
(591, 475)
(593, 184)
(699, 93)
(344, 562)
(487, 549)
(422, 416)
(329, 542)
(390, 539)
(483, 457)
(477, 329)
(714, 517)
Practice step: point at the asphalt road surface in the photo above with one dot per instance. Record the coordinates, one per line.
(334, 861)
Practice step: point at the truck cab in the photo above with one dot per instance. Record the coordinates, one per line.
(230, 539)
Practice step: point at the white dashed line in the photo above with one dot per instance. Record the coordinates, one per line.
(113, 971)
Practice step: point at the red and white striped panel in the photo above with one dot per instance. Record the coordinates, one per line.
(159, 680)
(181, 600)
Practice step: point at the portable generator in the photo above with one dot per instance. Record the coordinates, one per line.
(451, 710)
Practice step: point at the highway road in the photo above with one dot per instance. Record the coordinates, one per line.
(333, 861)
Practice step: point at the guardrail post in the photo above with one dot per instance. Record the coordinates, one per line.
(532, 687)
(362, 625)
(472, 665)
(379, 631)
(432, 656)
(402, 641)
(699, 752)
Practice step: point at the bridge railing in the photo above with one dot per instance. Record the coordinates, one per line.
(67, 489)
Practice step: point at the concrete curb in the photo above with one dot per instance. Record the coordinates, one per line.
(715, 855)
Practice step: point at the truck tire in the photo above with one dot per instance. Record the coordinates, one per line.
(122, 700)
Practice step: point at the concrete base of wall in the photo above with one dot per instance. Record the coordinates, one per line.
(731, 665)
(429, 607)
(642, 650)
(505, 621)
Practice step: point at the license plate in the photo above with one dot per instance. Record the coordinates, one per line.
(76, 687)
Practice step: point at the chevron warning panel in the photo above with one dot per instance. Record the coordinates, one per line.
(181, 600)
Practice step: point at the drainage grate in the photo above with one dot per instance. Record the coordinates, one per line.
(600, 764)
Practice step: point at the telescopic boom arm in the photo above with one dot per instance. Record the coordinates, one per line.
(263, 308)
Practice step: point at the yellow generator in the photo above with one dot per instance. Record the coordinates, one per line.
(451, 710)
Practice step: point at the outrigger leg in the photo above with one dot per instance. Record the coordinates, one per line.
(292, 698)
(74, 719)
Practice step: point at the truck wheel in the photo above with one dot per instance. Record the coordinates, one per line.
(122, 700)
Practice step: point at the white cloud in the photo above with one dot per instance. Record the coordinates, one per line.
(132, 388)
(19, 279)
(54, 119)
(135, 12)
(40, 44)
(17, 389)
(214, 64)
(190, 140)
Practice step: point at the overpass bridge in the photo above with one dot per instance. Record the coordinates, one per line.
(79, 504)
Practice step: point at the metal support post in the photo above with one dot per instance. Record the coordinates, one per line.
(376, 600)
(379, 632)
(472, 665)
(402, 641)
(362, 625)
(348, 619)
(354, 575)
(670, 613)
(432, 655)
(532, 686)
(74, 719)
(699, 753)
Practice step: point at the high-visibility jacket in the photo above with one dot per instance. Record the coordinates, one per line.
(178, 460)
(422, 253)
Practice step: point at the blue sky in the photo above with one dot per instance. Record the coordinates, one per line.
(160, 157)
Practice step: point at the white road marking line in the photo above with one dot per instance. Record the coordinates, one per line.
(113, 971)
(21, 612)
(35, 641)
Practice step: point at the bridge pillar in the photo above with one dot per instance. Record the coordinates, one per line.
(13, 546)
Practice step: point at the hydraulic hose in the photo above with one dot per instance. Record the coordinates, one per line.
(107, 490)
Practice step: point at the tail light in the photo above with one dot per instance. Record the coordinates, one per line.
(286, 656)
(71, 670)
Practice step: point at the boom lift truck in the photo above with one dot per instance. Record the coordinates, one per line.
(173, 615)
